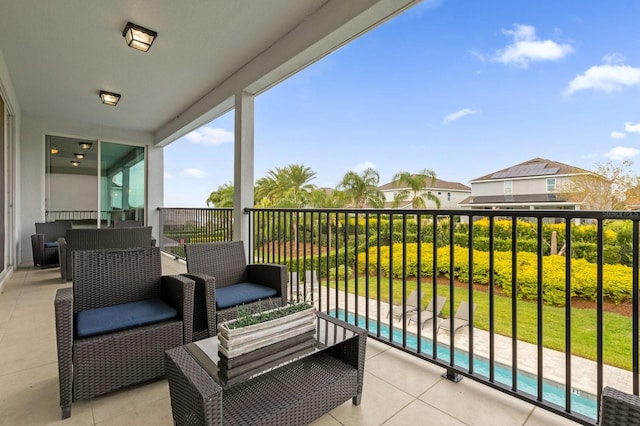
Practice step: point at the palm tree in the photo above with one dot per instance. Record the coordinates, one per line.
(414, 186)
(221, 197)
(297, 180)
(286, 187)
(362, 189)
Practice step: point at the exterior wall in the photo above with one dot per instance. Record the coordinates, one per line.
(449, 199)
(536, 185)
(31, 209)
(11, 116)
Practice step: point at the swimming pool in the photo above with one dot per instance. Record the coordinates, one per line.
(581, 402)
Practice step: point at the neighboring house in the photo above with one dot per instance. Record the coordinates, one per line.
(449, 193)
(534, 184)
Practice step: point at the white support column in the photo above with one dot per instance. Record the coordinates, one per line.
(243, 165)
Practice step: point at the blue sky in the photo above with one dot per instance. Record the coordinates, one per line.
(464, 88)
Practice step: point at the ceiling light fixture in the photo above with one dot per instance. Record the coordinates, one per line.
(85, 145)
(75, 163)
(109, 98)
(54, 150)
(79, 155)
(138, 37)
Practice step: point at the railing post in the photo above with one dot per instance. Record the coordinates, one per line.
(161, 229)
(452, 375)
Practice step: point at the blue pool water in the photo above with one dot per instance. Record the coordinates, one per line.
(553, 392)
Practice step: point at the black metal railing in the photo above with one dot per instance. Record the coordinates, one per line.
(533, 274)
(193, 225)
(76, 215)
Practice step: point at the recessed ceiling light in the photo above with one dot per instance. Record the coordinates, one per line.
(85, 145)
(79, 155)
(75, 163)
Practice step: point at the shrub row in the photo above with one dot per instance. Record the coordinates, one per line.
(617, 282)
(617, 237)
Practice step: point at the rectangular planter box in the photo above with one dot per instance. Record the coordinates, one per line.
(236, 342)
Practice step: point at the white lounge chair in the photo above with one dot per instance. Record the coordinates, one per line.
(429, 313)
(460, 319)
(411, 306)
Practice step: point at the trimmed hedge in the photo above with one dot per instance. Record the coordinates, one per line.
(617, 282)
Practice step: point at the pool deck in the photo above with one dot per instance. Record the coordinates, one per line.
(584, 371)
(399, 389)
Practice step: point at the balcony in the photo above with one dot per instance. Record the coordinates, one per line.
(568, 333)
(399, 388)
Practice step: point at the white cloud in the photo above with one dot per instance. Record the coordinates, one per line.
(622, 153)
(364, 166)
(613, 58)
(618, 135)
(605, 78)
(632, 128)
(194, 173)
(210, 136)
(527, 48)
(458, 114)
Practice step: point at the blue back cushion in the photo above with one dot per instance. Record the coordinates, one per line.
(241, 293)
(121, 317)
(50, 244)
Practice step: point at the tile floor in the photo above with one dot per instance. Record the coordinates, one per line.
(398, 389)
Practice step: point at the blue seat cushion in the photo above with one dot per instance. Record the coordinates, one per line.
(241, 293)
(50, 244)
(121, 317)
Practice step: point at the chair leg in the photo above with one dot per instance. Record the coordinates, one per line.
(66, 412)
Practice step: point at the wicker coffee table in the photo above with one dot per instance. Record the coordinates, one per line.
(292, 391)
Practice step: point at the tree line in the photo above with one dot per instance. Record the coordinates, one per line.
(291, 187)
(608, 187)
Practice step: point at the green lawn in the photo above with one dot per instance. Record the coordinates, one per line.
(617, 328)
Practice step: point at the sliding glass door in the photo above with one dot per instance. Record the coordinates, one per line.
(122, 174)
(93, 183)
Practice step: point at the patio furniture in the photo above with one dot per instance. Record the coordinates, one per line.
(225, 283)
(411, 306)
(114, 324)
(127, 223)
(311, 285)
(429, 313)
(618, 408)
(103, 238)
(460, 319)
(44, 243)
(293, 390)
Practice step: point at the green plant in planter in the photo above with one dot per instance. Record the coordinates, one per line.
(248, 317)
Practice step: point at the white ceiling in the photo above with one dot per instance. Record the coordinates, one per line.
(61, 53)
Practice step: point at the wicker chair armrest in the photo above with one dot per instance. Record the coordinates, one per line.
(178, 291)
(206, 288)
(62, 256)
(38, 238)
(270, 275)
(618, 408)
(37, 247)
(63, 304)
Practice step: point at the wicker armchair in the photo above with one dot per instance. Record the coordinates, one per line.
(619, 408)
(223, 265)
(44, 243)
(127, 223)
(91, 364)
(104, 238)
